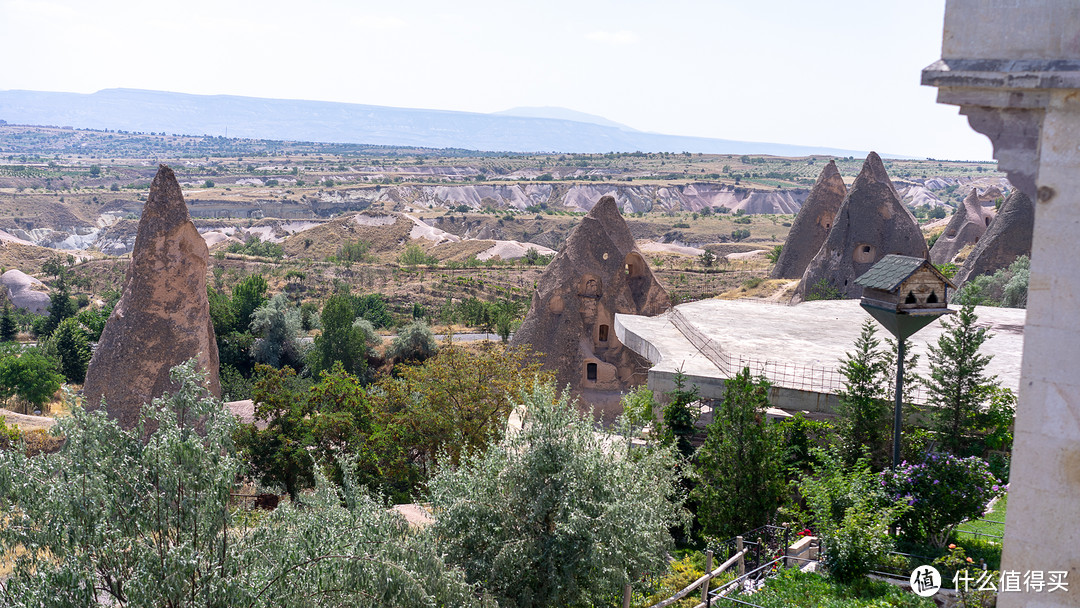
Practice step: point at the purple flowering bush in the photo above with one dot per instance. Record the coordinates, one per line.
(942, 491)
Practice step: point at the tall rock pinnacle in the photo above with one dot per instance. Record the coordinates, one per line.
(570, 326)
(1008, 236)
(965, 228)
(870, 224)
(163, 317)
(812, 225)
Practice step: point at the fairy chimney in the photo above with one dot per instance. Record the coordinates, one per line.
(600, 272)
(870, 224)
(965, 228)
(163, 316)
(1008, 237)
(811, 225)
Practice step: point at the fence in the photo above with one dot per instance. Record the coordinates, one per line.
(809, 378)
(755, 562)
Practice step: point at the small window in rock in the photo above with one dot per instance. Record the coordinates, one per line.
(911, 298)
(987, 221)
(932, 298)
(866, 249)
(602, 334)
(590, 371)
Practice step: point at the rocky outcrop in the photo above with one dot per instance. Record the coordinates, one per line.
(1008, 236)
(162, 318)
(870, 224)
(25, 291)
(570, 326)
(965, 228)
(812, 225)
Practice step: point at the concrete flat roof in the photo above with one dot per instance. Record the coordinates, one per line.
(801, 340)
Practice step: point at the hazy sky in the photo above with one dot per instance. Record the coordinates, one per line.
(842, 73)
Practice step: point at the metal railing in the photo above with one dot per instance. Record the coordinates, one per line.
(795, 376)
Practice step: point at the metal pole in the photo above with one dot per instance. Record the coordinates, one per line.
(705, 587)
(898, 414)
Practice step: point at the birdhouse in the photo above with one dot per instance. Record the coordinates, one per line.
(905, 293)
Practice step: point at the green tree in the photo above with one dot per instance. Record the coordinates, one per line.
(31, 377)
(9, 330)
(73, 349)
(279, 454)
(248, 295)
(278, 327)
(739, 468)
(413, 342)
(958, 384)
(455, 402)
(554, 515)
(373, 308)
(222, 314)
(61, 306)
(148, 519)
(774, 254)
(707, 258)
(863, 410)
(679, 418)
(93, 319)
(340, 340)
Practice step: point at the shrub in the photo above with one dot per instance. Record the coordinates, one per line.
(823, 290)
(556, 515)
(1007, 287)
(851, 512)
(414, 342)
(774, 253)
(942, 492)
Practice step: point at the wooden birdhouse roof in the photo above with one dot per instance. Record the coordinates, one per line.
(892, 270)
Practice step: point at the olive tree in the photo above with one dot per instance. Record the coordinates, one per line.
(557, 514)
(144, 518)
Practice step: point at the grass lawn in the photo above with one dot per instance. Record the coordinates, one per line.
(792, 588)
(986, 527)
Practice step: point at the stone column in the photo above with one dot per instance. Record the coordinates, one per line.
(1014, 70)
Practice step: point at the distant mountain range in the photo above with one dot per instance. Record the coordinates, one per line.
(517, 130)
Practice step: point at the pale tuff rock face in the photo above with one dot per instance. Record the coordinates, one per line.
(870, 224)
(570, 326)
(163, 316)
(965, 228)
(811, 227)
(1008, 236)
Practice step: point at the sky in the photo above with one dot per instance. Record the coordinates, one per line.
(841, 74)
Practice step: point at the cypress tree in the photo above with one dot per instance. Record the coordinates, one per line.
(958, 383)
(8, 329)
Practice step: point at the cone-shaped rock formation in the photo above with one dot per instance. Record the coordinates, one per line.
(1008, 236)
(163, 317)
(570, 327)
(965, 228)
(812, 225)
(870, 224)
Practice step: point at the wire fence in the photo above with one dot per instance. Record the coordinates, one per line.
(809, 378)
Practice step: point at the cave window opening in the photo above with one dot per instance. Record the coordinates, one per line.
(866, 249)
(590, 371)
(602, 333)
